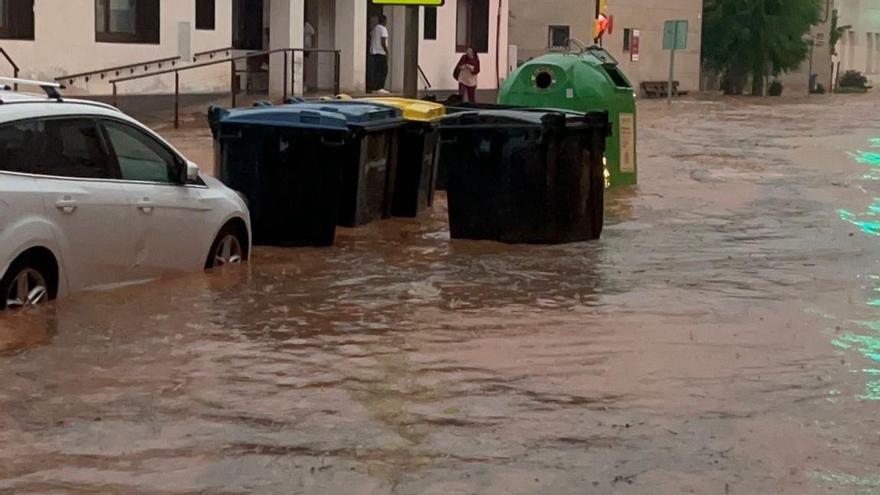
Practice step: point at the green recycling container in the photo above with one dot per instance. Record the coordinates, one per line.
(585, 82)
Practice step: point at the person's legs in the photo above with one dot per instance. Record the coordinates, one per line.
(371, 73)
(472, 94)
(468, 93)
(382, 73)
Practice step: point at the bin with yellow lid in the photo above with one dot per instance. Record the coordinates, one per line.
(418, 153)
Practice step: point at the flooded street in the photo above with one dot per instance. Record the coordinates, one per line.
(722, 338)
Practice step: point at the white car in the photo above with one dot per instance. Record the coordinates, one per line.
(90, 199)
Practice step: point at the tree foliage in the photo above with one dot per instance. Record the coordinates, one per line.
(756, 37)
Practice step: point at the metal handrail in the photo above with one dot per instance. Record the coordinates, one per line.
(211, 53)
(231, 60)
(425, 77)
(130, 67)
(15, 69)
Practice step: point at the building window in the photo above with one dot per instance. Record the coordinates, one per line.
(127, 21)
(430, 23)
(472, 25)
(205, 15)
(559, 36)
(17, 19)
(627, 37)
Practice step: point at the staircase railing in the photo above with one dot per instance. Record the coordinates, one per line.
(15, 69)
(424, 78)
(289, 70)
(116, 71)
(226, 51)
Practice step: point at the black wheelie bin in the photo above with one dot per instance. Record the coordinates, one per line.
(369, 158)
(525, 176)
(287, 162)
(417, 154)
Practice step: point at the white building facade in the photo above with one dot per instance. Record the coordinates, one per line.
(859, 47)
(636, 40)
(55, 38)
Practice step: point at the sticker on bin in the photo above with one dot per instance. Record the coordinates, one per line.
(627, 143)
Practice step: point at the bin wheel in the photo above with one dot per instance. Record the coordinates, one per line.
(230, 248)
(27, 283)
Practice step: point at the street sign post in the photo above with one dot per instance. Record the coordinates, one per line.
(675, 35)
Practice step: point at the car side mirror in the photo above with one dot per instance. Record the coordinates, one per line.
(192, 172)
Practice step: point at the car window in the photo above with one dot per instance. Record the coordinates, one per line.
(140, 156)
(20, 146)
(73, 148)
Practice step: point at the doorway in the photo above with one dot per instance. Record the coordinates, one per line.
(373, 13)
(247, 25)
(250, 34)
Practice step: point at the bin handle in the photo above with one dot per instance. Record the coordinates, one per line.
(332, 143)
(451, 140)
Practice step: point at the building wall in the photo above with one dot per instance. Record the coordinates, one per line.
(819, 62)
(531, 19)
(438, 57)
(859, 49)
(530, 22)
(64, 43)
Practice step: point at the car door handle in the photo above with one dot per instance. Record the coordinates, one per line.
(145, 205)
(66, 205)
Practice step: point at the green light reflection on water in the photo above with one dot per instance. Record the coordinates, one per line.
(850, 484)
(868, 345)
(867, 226)
(866, 157)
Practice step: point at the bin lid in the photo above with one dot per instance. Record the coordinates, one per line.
(360, 114)
(418, 110)
(527, 117)
(291, 116)
(499, 117)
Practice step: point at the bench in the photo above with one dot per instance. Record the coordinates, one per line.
(660, 89)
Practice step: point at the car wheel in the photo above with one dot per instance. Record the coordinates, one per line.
(228, 248)
(26, 284)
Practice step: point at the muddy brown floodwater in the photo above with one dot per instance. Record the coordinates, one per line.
(722, 338)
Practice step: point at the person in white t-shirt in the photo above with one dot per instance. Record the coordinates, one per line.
(378, 57)
(309, 35)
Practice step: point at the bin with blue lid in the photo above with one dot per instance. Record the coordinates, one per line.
(417, 154)
(369, 158)
(525, 176)
(287, 163)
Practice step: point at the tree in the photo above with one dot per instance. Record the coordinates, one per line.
(756, 37)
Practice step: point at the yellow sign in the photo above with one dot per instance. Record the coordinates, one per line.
(426, 3)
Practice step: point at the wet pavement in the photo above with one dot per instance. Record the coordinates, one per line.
(722, 338)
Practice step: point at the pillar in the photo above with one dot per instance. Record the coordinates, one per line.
(286, 19)
(397, 46)
(351, 40)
